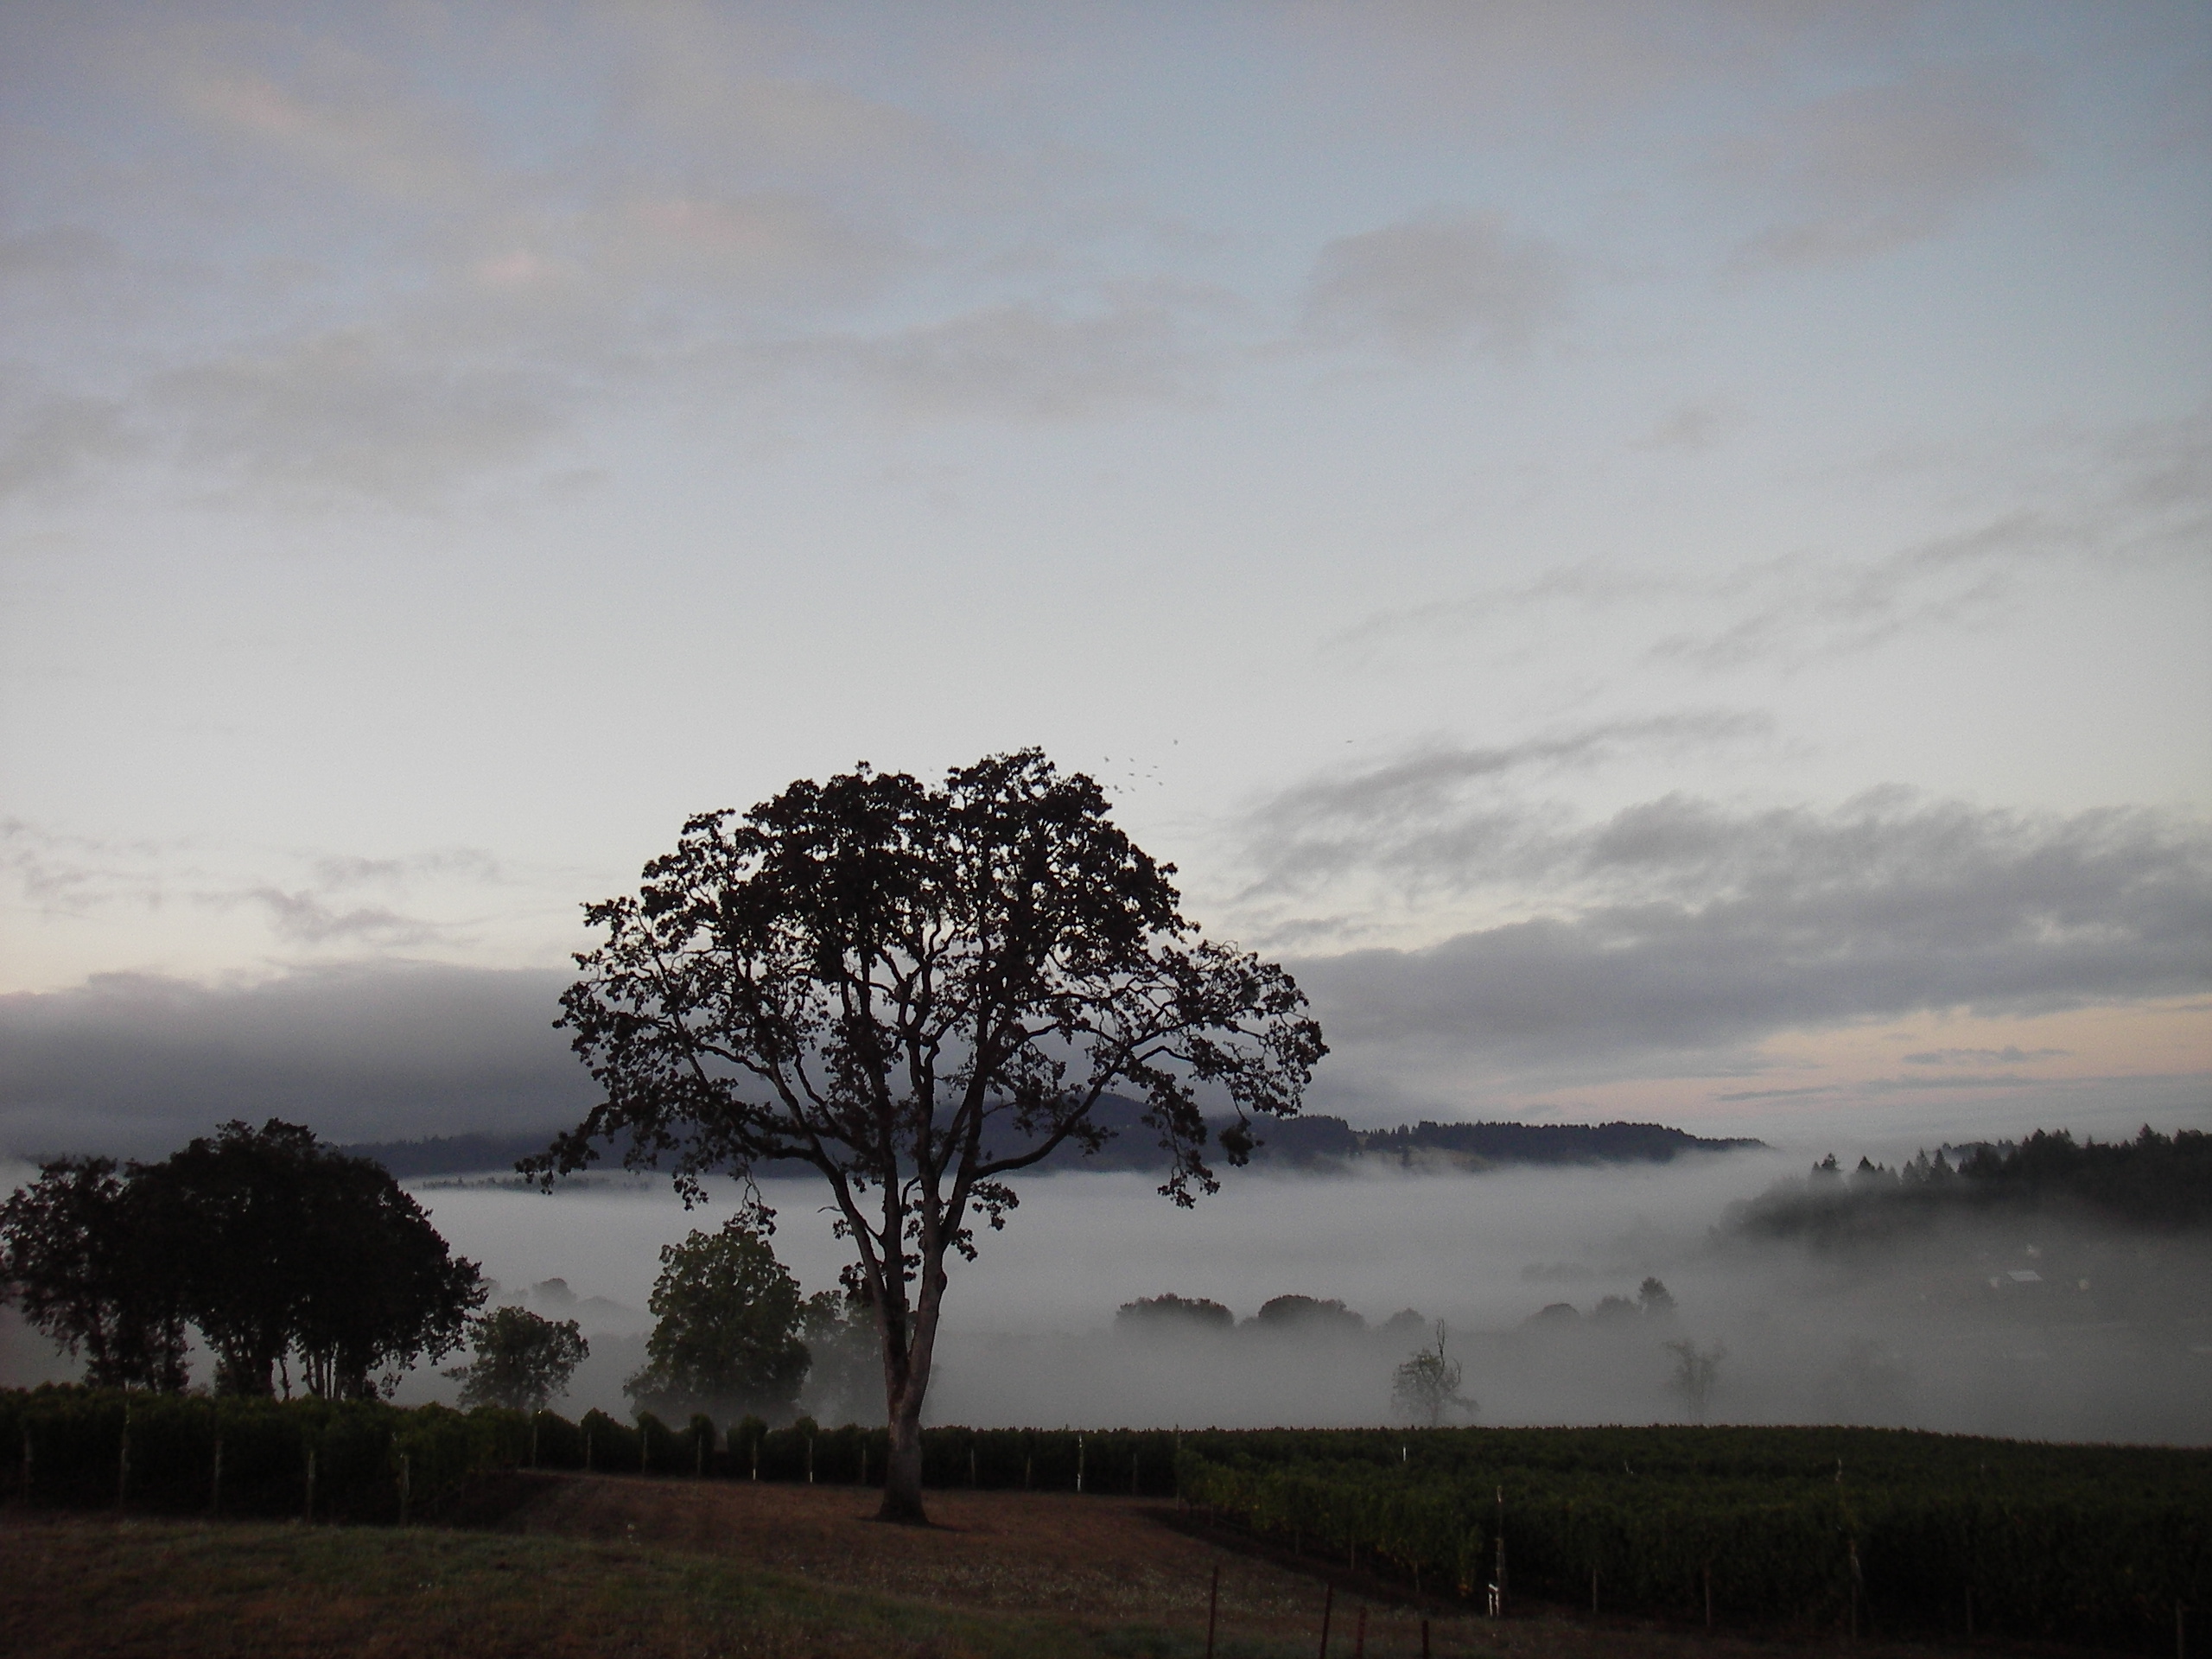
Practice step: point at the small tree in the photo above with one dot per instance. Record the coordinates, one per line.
(1427, 1386)
(725, 1339)
(1696, 1372)
(523, 1361)
(917, 993)
(1654, 1298)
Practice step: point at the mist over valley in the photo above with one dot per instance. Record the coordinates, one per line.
(2052, 1324)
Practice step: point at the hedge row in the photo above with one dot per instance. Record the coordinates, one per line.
(1897, 1532)
(194, 1454)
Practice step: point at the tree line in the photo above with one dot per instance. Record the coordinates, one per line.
(2153, 1181)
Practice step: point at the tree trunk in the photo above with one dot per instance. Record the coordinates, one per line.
(906, 1382)
(902, 1475)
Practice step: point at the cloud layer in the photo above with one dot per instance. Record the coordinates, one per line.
(137, 1064)
(1686, 928)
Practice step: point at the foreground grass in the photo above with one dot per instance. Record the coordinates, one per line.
(76, 1585)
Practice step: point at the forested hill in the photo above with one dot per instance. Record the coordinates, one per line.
(1320, 1144)
(2153, 1181)
(1317, 1144)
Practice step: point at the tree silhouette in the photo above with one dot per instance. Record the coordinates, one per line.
(89, 1255)
(523, 1360)
(1427, 1386)
(725, 1339)
(1696, 1370)
(273, 1245)
(918, 992)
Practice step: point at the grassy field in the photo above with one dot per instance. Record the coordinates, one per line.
(571, 1565)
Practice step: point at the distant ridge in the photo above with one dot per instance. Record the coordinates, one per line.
(452, 1155)
(1471, 1146)
(1548, 1143)
(1315, 1143)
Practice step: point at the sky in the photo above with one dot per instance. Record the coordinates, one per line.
(1655, 554)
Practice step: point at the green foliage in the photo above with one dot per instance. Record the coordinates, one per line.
(523, 1360)
(726, 1337)
(2076, 1543)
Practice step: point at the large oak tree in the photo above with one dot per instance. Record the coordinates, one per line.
(919, 992)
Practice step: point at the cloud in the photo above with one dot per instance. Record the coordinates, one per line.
(137, 1063)
(1691, 427)
(1419, 819)
(58, 253)
(353, 123)
(1022, 361)
(303, 919)
(1427, 284)
(354, 412)
(1872, 168)
(59, 437)
(1577, 65)
(1680, 927)
(2010, 1054)
(63, 875)
(2118, 500)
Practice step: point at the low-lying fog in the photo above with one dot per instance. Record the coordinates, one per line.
(2108, 1337)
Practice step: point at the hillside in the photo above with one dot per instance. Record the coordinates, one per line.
(1314, 1144)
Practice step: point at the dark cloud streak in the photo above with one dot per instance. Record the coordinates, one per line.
(137, 1063)
(1681, 927)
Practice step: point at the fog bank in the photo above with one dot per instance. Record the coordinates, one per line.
(2044, 1329)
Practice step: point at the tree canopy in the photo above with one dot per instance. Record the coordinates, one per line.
(274, 1247)
(88, 1252)
(725, 1338)
(523, 1360)
(919, 992)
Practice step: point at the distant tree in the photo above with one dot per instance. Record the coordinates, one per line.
(88, 1256)
(523, 1361)
(1696, 1372)
(725, 1338)
(844, 1381)
(1654, 1298)
(919, 992)
(289, 1245)
(1426, 1387)
(1405, 1322)
(1172, 1314)
(1613, 1310)
(1307, 1313)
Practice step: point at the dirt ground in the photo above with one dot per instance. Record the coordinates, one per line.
(1100, 1561)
